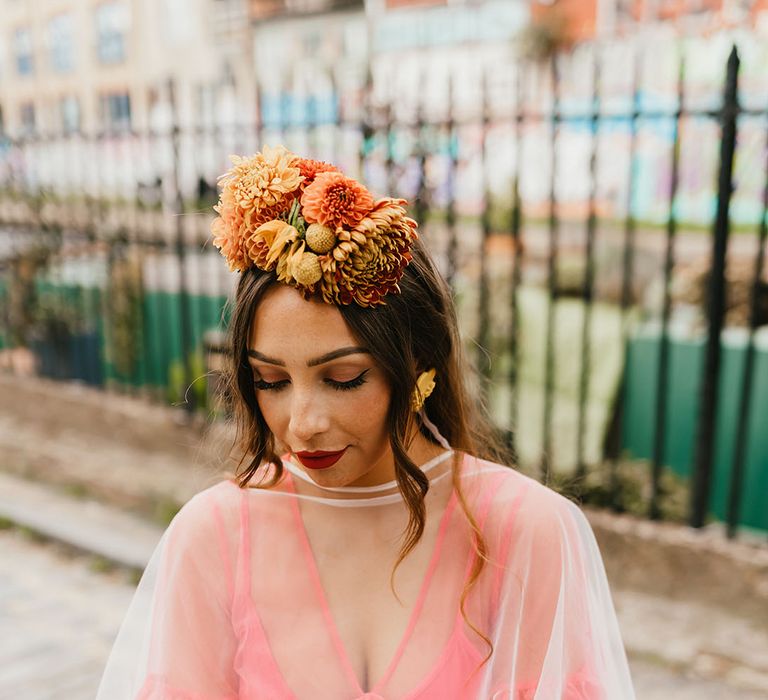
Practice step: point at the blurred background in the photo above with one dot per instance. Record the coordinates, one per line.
(592, 177)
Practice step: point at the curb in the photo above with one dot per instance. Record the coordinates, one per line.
(84, 525)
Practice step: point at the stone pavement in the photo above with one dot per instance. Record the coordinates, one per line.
(58, 618)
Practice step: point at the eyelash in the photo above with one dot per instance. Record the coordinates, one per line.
(359, 380)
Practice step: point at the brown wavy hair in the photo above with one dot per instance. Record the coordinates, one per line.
(414, 331)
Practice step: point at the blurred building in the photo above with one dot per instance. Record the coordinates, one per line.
(580, 20)
(91, 65)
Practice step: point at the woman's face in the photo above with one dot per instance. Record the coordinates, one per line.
(321, 394)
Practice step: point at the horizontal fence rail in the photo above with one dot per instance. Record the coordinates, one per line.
(591, 299)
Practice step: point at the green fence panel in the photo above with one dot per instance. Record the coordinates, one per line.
(154, 348)
(683, 401)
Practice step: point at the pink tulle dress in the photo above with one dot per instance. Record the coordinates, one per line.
(286, 593)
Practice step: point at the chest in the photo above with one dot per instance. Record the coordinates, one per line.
(369, 604)
(326, 617)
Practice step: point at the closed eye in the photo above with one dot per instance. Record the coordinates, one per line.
(261, 385)
(351, 384)
(359, 380)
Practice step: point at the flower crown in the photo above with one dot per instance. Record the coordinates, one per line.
(321, 232)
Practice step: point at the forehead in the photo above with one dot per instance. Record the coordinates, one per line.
(286, 322)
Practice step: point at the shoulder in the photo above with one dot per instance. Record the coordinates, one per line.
(209, 512)
(513, 504)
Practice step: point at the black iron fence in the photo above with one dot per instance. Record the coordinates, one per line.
(595, 316)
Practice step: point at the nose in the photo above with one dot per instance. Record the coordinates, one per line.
(309, 417)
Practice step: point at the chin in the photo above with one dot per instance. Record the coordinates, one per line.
(330, 477)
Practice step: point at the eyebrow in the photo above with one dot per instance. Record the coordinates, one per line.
(315, 361)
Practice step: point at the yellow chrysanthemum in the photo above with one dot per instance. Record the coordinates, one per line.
(264, 179)
(268, 242)
(254, 191)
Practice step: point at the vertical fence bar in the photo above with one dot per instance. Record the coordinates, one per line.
(745, 404)
(188, 396)
(201, 290)
(515, 225)
(153, 243)
(64, 216)
(127, 188)
(105, 247)
(483, 297)
(367, 126)
(259, 125)
(141, 251)
(662, 376)
(335, 127)
(554, 239)
(589, 273)
(312, 121)
(390, 136)
(450, 212)
(420, 205)
(627, 276)
(702, 482)
(80, 163)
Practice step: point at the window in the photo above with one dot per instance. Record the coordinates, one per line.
(22, 49)
(112, 25)
(116, 111)
(60, 44)
(27, 116)
(69, 113)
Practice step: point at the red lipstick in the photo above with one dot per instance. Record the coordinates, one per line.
(320, 460)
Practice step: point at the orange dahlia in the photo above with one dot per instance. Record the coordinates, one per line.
(311, 168)
(227, 235)
(335, 200)
(368, 262)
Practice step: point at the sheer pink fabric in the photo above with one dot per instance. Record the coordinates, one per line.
(285, 594)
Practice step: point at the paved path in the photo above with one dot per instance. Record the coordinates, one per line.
(58, 619)
(62, 617)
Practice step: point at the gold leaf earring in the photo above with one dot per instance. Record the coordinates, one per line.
(425, 385)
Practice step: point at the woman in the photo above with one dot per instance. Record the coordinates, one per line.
(369, 546)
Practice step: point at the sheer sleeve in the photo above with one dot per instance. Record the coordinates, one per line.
(177, 640)
(555, 633)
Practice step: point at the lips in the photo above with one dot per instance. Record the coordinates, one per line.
(320, 460)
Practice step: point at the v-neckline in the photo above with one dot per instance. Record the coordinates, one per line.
(314, 573)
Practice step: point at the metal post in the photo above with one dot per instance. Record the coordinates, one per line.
(628, 259)
(662, 374)
(742, 429)
(484, 297)
(188, 396)
(716, 302)
(450, 214)
(517, 269)
(420, 204)
(589, 276)
(554, 238)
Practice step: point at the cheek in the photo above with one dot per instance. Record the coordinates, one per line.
(273, 411)
(370, 414)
